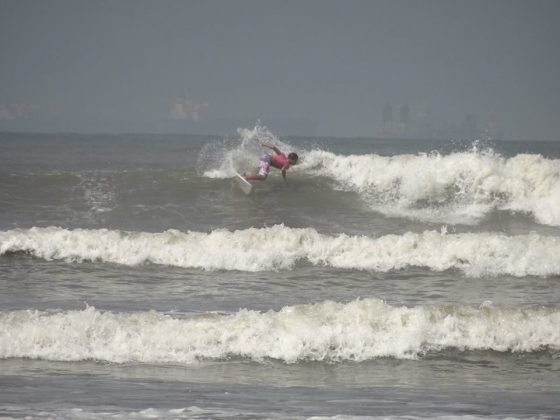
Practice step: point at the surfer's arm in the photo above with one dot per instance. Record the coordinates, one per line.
(284, 173)
(270, 146)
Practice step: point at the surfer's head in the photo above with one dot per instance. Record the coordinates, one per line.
(293, 158)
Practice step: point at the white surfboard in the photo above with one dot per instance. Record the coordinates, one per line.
(245, 185)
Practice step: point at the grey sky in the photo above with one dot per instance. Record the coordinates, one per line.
(134, 65)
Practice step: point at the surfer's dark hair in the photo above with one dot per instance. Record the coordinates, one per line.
(293, 156)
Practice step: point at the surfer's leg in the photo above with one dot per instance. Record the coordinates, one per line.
(264, 169)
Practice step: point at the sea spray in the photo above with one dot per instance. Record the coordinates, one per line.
(223, 158)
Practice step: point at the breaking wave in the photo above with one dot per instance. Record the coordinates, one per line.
(476, 254)
(460, 187)
(326, 332)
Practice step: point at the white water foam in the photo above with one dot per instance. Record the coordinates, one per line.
(476, 254)
(456, 188)
(98, 191)
(328, 332)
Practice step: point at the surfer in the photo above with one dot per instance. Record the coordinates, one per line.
(279, 160)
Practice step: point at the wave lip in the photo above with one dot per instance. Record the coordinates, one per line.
(326, 332)
(476, 254)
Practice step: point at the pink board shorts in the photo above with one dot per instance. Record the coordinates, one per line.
(264, 166)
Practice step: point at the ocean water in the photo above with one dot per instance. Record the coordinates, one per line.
(385, 279)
